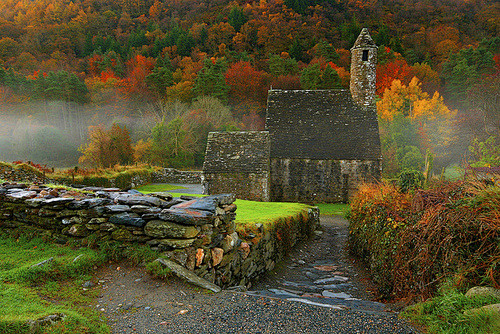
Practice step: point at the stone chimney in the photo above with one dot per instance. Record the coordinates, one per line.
(364, 70)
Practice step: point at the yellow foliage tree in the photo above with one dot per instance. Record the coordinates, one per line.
(142, 150)
(410, 117)
(107, 148)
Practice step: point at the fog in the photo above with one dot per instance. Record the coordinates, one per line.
(51, 133)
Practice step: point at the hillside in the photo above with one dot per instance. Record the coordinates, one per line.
(72, 64)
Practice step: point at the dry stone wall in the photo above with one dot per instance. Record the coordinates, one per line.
(197, 233)
(172, 175)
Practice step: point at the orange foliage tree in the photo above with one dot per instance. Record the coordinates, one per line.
(245, 82)
(396, 69)
(139, 68)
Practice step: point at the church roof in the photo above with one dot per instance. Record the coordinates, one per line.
(321, 125)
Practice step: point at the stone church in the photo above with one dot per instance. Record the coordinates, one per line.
(318, 145)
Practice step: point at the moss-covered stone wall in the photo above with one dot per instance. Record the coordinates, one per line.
(198, 233)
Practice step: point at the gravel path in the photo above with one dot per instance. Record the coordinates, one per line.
(133, 302)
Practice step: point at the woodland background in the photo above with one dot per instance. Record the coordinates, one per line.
(104, 82)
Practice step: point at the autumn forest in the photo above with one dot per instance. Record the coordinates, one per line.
(105, 82)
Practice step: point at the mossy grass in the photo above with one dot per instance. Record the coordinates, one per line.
(151, 188)
(340, 209)
(30, 292)
(250, 212)
(450, 313)
(68, 188)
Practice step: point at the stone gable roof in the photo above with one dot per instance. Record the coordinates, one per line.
(237, 152)
(364, 40)
(321, 125)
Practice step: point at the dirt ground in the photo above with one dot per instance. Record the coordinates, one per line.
(290, 299)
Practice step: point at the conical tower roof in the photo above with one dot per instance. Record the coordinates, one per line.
(364, 40)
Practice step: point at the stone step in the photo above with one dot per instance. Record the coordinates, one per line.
(327, 299)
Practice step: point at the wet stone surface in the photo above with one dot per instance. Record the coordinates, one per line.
(319, 272)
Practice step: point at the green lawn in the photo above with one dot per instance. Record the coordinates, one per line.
(30, 293)
(265, 212)
(151, 188)
(333, 208)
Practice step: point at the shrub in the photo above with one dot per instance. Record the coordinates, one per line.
(411, 180)
(413, 243)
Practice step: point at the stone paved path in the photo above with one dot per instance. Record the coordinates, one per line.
(320, 272)
(318, 289)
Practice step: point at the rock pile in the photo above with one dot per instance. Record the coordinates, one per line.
(20, 173)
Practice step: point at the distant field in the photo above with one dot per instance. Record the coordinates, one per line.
(151, 188)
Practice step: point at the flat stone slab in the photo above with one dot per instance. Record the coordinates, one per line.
(177, 243)
(187, 216)
(204, 204)
(131, 199)
(164, 229)
(338, 279)
(57, 201)
(89, 203)
(162, 195)
(22, 194)
(144, 209)
(116, 208)
(209, 203)
(129, 219)
(188, 275)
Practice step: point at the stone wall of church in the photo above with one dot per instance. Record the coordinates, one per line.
(318, 181)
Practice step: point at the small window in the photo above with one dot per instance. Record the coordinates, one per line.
(365, 55)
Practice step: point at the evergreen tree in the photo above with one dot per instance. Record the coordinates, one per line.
(159, 79)
(310, 78)
(330, 79)
(237, 18)
(60, 86)
(211, 81)
(327, 51)
(296, 50)
(282, 66)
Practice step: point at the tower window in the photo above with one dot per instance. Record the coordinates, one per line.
(365, 55)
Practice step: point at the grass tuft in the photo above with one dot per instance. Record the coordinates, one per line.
(30, 292)
(450, 313)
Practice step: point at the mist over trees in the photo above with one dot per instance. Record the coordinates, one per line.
(163, 73)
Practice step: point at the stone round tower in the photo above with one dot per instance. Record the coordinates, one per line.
(364, 69)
